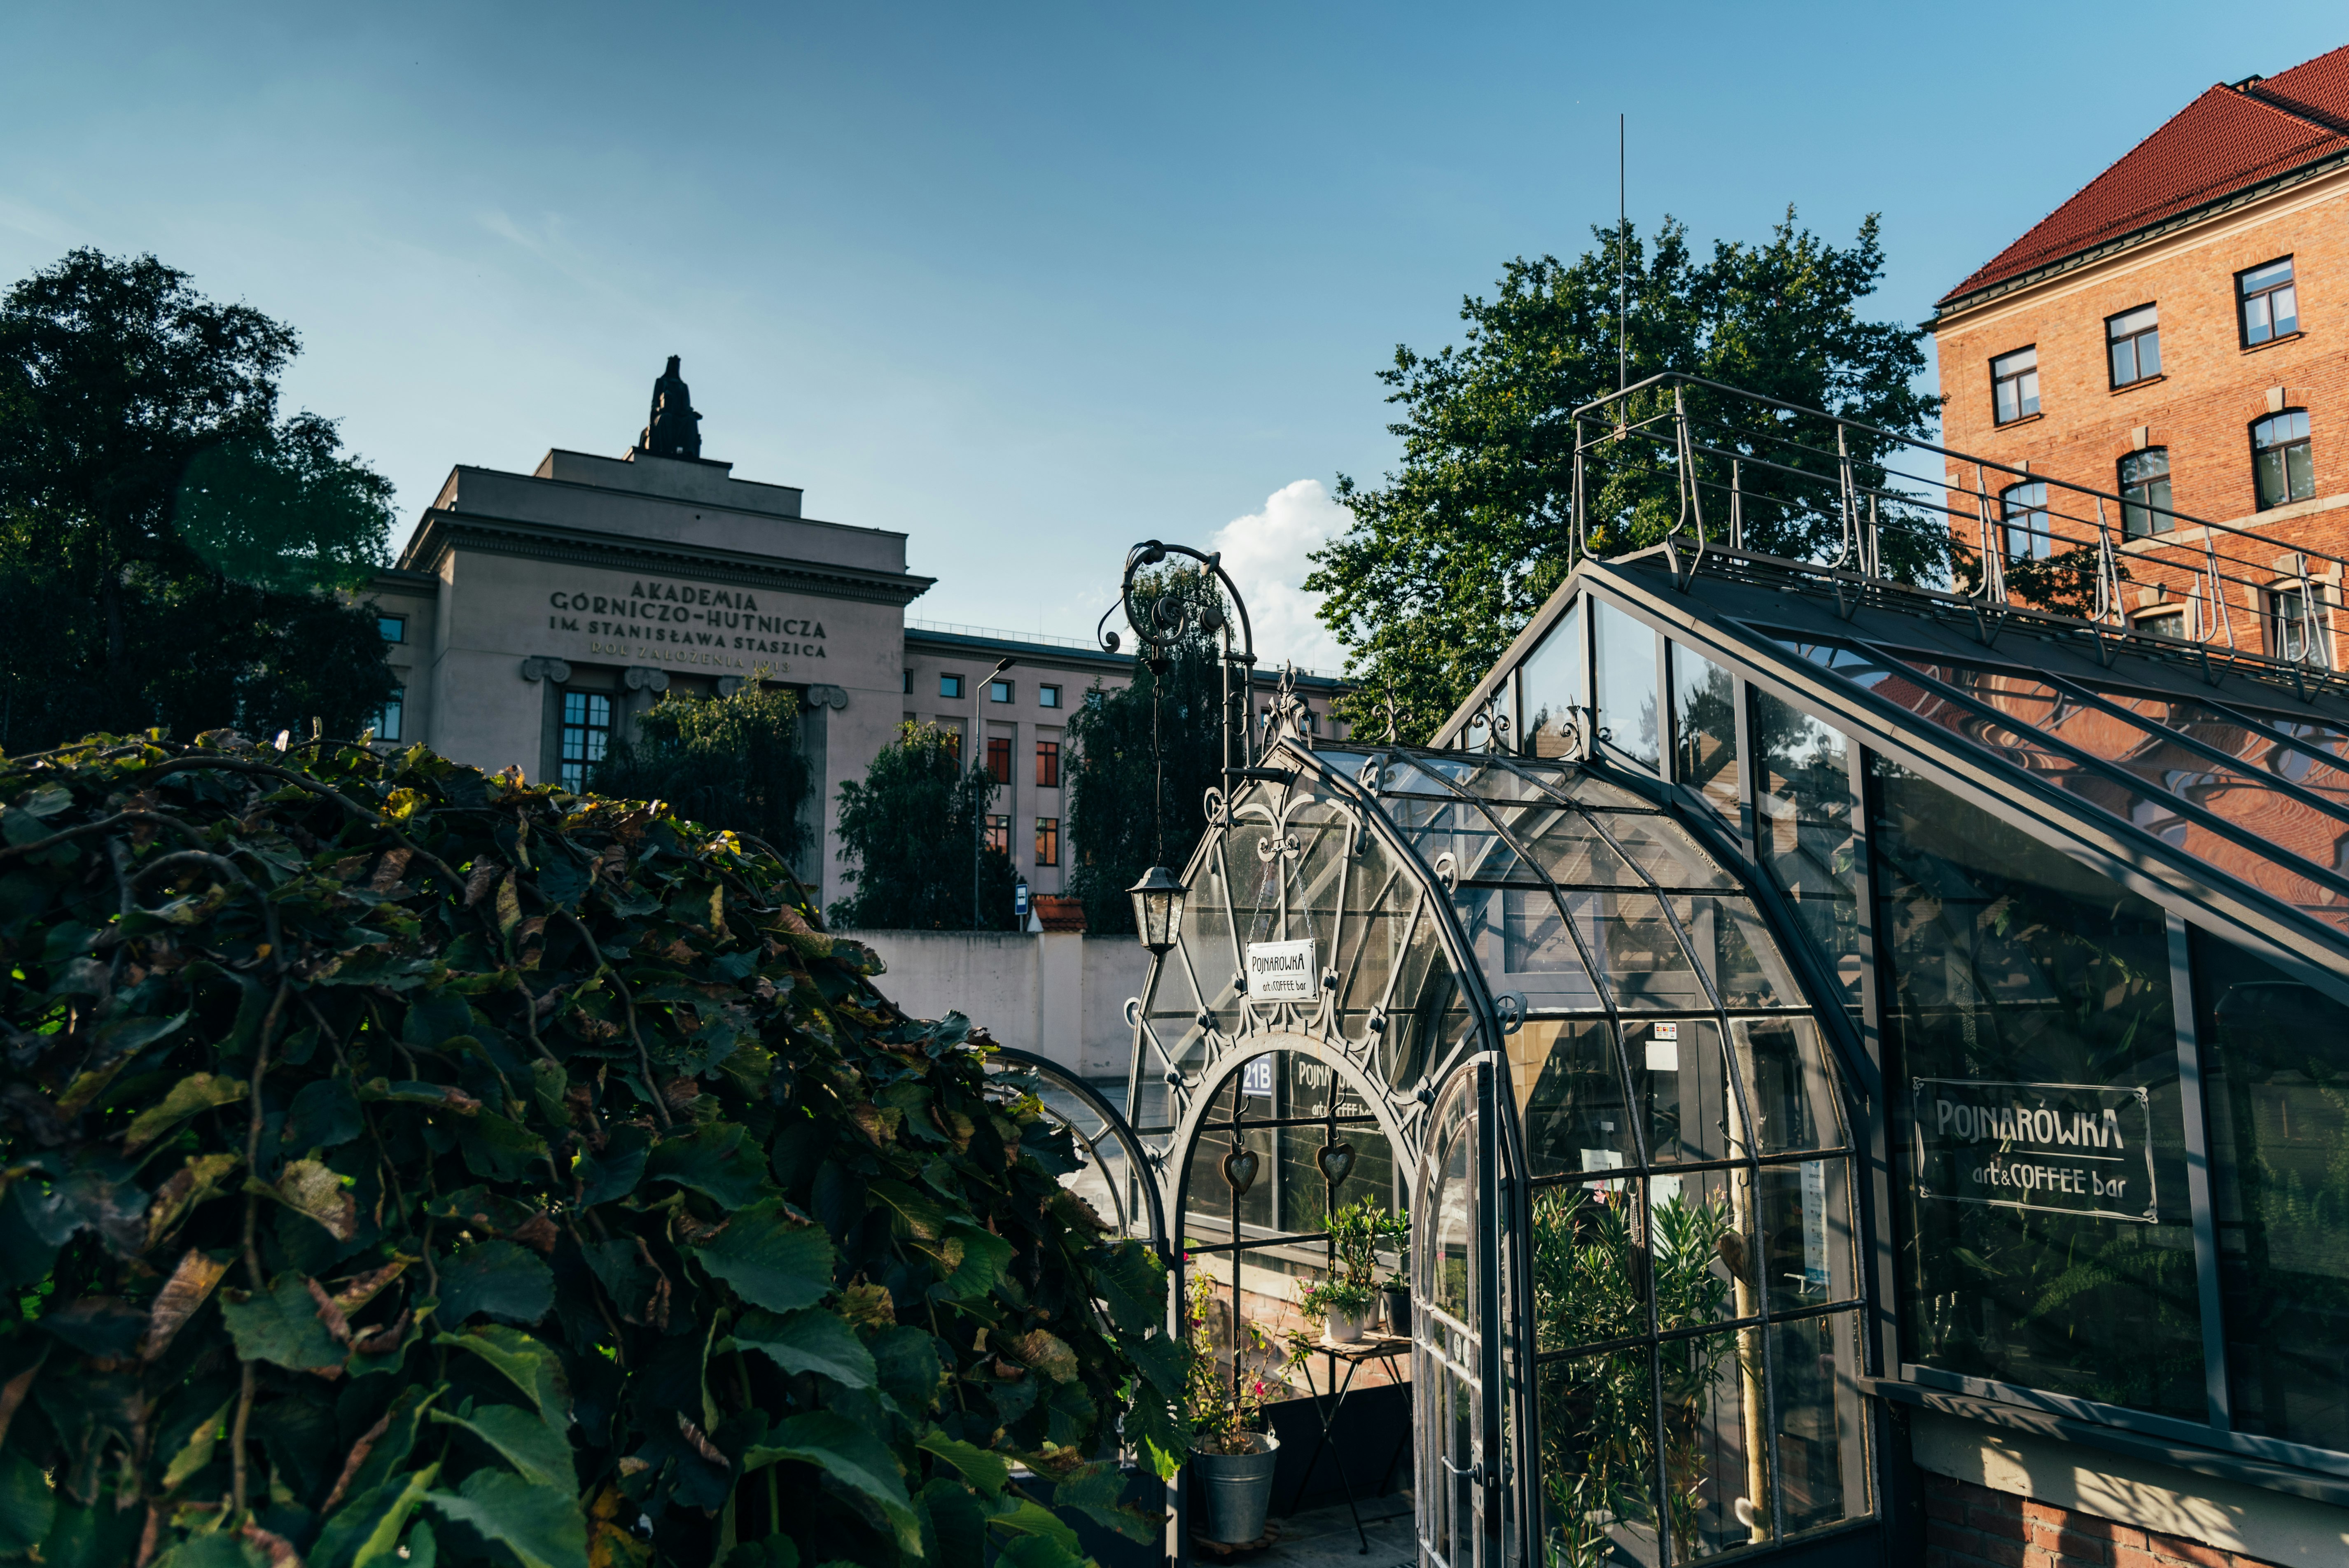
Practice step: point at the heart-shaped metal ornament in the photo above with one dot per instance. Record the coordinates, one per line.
(1337, 1161)
(1239, 1171)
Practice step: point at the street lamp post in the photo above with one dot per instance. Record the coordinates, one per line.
(1158, 896)
(979, 760)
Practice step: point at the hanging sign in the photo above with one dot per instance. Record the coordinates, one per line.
(2057, 1147)
(1283, 972)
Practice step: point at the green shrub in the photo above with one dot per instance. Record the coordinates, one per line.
(401, 1157)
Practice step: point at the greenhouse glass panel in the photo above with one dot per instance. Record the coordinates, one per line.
(1704, 731)
(2049, 1242)
(1629, 722)
(2275, 1054)
(1807, 825)
(1553, 690)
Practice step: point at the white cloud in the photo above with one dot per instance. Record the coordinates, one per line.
(1266, 554)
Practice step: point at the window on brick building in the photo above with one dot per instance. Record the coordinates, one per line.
(999, 758)
(2014, 384)
(1048, 841)
(2170, 623)
(2024, 510)
(2271, 303)
(2296, 625)
(2282, 468)
(587, 732)
(1048, 765)
(998, 834)
(2135, 338)
(2144, 494)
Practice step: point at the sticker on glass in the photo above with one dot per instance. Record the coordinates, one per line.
(1283, 972)
(1665, 1049)
(2056, 1147)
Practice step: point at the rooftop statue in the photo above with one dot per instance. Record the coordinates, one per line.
(675, 429)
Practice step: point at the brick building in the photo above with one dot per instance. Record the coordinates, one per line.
(2176, 336)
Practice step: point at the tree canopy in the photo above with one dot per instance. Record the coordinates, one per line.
(734, 762)
(908, 829)
(168, 544)
(1448, 557)
(406, 1164)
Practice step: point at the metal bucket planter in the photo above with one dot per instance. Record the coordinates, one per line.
(1238, 1489)
(1397, 1299)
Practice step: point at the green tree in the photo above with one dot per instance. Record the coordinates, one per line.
(907, 832)
(1121, 822)
(170, 546)
(1449, 557)
(733, 762)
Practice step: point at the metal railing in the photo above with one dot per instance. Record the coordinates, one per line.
(1763, 481)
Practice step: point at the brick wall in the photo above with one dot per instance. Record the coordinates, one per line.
(2211, 389)
(1971, 1526)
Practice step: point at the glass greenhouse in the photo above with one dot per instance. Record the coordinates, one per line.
(1787, 1018)
(1777, 1004)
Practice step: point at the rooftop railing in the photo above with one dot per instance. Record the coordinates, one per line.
(1704, 468)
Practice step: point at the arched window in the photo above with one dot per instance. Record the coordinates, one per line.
(2281, 467)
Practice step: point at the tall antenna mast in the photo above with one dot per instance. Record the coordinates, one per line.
(1623, 348)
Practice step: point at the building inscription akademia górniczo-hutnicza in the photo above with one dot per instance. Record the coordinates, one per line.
(659, 620)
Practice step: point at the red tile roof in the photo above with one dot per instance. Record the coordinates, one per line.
(1054, 913)
(2228, 140)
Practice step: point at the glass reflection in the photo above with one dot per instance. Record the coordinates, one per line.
(2024, 983)
(1739, 956)
(1553, 688)
(1639, 954)
(1822, 1451)
(1704, 731)
(1806, 1233)
(1628, 718)
(1808, 828)
(1598, 1459)
(1576, 1115)
(1788, 1084)
(1682, 1087)
(1521, 943)
(2275, 1065)
(1718, 1478)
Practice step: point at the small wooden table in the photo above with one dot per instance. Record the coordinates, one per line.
(1372, 1346)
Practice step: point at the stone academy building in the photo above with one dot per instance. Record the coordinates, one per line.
(533, 617)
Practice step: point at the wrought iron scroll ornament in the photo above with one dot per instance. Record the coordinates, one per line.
(1160, 621)
(1274, 821)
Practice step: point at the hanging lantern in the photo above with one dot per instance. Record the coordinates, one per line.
(1157, 908)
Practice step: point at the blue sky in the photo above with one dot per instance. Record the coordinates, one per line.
(1026, 283)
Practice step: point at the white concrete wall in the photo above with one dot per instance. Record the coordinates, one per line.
(1057, 994)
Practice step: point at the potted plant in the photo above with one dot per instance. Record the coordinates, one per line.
(1234, 1459)
(1343, 1308)
(1344, 1300)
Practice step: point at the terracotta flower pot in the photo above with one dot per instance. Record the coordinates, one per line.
(1238, 1489)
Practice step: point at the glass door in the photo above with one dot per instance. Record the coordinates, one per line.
(1459, 1325)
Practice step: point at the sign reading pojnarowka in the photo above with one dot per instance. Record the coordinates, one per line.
(2060, 1148)
(1283, 972)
